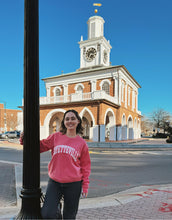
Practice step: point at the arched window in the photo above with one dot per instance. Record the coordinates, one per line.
(80, 89)
(105, 87)
(57, 92)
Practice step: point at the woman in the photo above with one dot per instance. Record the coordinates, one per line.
(69, 168)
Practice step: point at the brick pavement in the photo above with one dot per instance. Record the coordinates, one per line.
(151, 206)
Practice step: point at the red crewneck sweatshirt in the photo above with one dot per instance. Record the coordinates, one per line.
(70, 159)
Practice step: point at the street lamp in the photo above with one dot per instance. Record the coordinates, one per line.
(31, 191)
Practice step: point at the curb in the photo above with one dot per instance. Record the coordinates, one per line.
(122, 197)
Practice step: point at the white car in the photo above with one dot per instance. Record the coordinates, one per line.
(4, 135)
(12, 134)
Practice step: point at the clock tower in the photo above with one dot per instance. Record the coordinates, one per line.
(95, 52)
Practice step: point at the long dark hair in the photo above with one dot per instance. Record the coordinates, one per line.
(79, 129)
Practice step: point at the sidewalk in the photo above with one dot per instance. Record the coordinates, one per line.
(143, 202)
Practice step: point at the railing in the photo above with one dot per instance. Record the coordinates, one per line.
(77, 97)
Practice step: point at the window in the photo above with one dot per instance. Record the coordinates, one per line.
(105, 87)
(57, 92)
(93, 30)
(79, 89)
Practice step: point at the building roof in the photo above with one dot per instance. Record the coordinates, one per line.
(91, 69)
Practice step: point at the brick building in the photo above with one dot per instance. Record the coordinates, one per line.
(105, 96)
(9, 119)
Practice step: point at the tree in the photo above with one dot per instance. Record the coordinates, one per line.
(146, 125)
(160, 119)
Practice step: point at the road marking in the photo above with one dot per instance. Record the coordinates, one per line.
(132, 152)
(10, 162)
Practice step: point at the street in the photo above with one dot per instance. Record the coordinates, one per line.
(119, 170)
(113, 170)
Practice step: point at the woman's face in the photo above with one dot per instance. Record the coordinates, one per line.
(70, 121)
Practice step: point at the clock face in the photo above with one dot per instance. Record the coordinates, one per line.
(105, 56)
(90, 54)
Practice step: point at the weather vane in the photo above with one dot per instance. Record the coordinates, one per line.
(97, 4)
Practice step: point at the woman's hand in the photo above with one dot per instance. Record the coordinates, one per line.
(84, 195)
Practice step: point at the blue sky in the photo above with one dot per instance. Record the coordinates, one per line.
(140, 33)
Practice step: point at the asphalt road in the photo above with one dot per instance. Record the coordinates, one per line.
(113, 170)
(116, 171)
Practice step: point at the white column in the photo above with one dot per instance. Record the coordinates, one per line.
(48, 95)
(48, 91)
(65, 88)
(119, 90)
(115, 78)
(133, 97)
(91, 133)
(136, 101)
(99, 54)
(126, 95)
(81, 57)
(43, 134)
(93, 85)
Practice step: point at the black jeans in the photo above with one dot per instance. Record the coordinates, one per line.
(71, 193)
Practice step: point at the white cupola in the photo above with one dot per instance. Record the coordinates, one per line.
(95, 27)
(95, 51)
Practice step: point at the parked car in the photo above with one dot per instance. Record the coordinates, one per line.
(18, 133)
(12, 134)
(1, 136)
(4, 135)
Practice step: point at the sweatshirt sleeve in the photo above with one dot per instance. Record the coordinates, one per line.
(85, 168)
(47, 144)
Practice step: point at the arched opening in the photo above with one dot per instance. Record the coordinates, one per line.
(55, 122)
(107, 129)
(87, 123)
(105, 87)
(110, 125)
(130, 129)
(124, 128)
(57, 92)
(79, 89)
(135, 128)
(86, 126)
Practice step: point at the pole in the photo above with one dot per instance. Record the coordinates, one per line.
(31, 192)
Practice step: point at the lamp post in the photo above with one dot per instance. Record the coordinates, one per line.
(31, 192)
